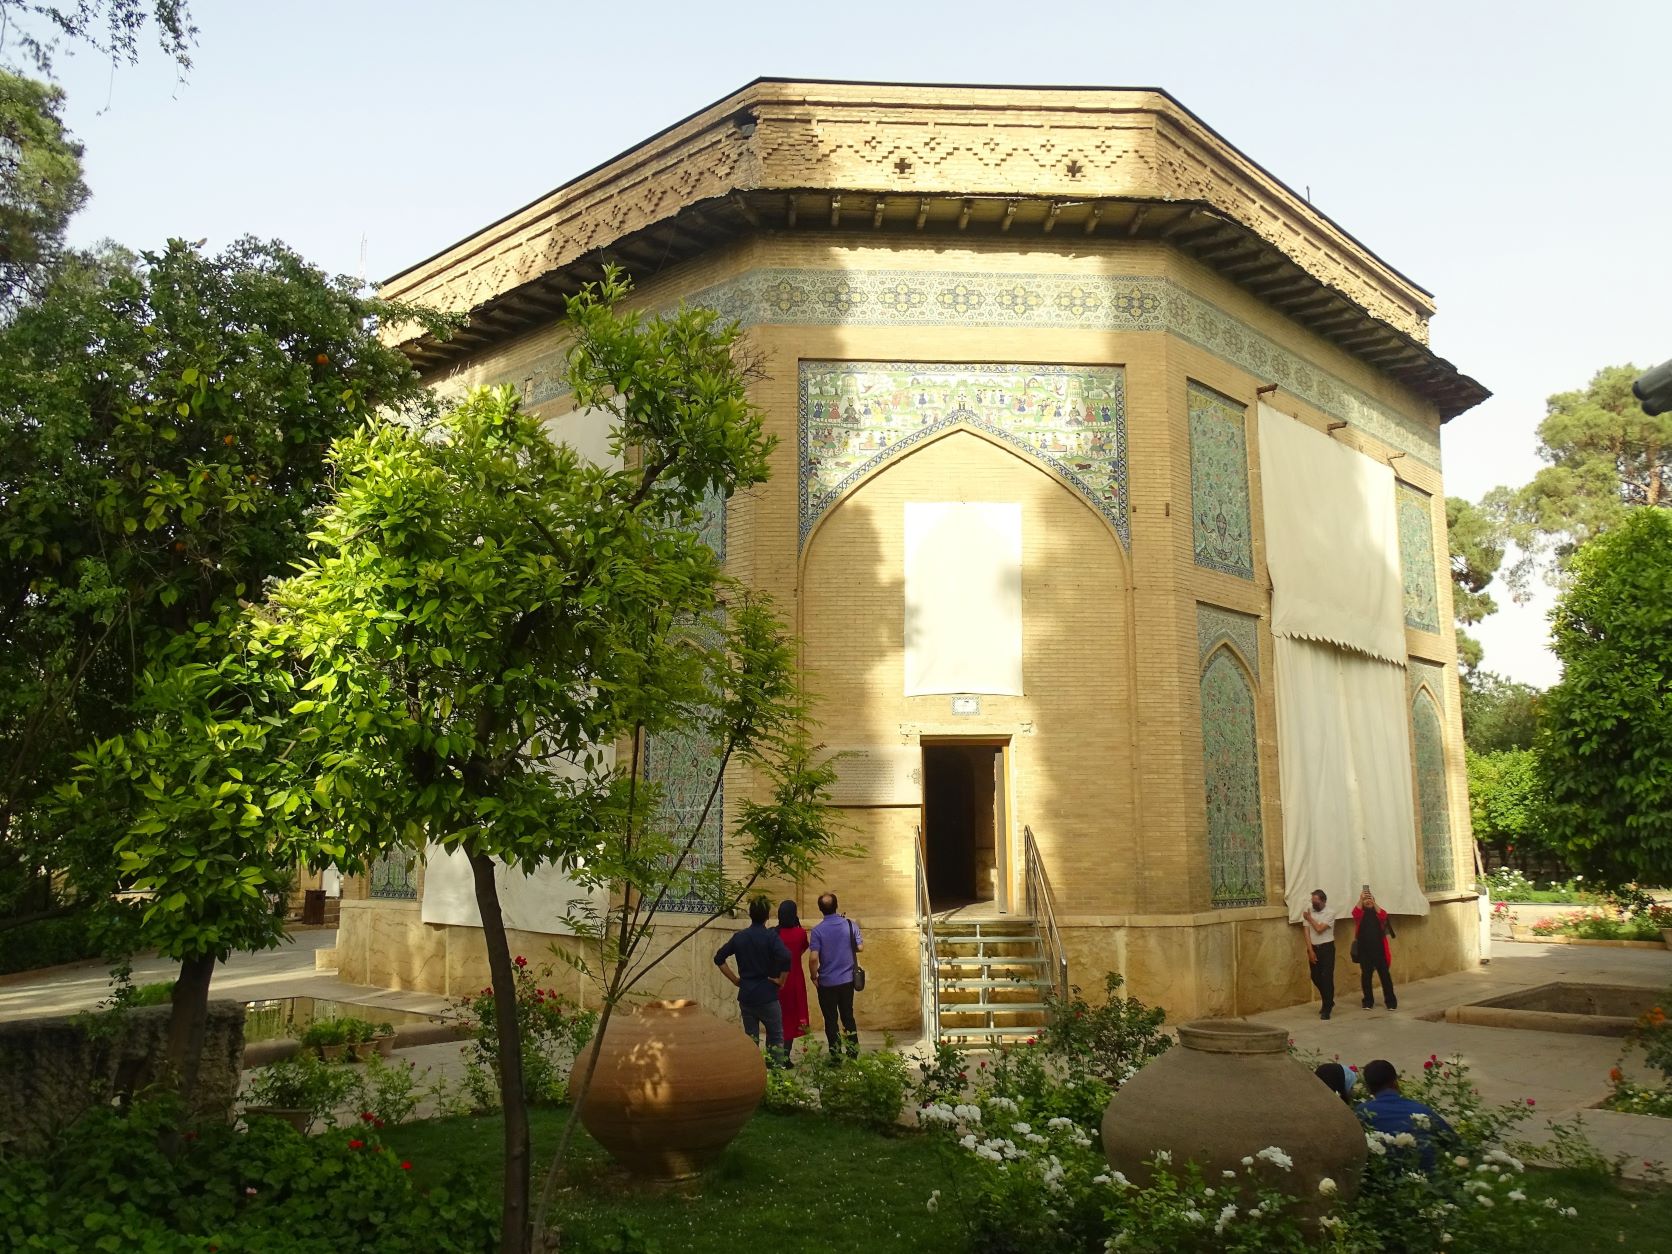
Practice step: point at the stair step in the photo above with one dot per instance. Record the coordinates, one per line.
(1029, 939)
(1021, 986)
(997, 1008)
(992, 960)
(1016, 1030)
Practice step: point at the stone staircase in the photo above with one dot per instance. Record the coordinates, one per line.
(992, 980)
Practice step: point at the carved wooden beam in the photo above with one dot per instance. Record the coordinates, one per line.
(1093, 218)
(1051, 216)
(1137, 220)
(1010, 207)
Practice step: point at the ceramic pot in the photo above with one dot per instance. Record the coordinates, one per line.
(674, 1085)
(1229, 1091)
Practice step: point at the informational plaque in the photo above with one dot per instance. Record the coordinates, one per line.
(878, 775)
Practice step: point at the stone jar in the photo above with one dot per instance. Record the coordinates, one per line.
(674, 1085)
(1231, 1091)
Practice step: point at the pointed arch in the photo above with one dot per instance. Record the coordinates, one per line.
(1231, 780)
(1433, 798)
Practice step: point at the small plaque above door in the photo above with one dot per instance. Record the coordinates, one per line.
(878, 775)
(966, 705)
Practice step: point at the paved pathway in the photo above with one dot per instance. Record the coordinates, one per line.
(1564, 1073)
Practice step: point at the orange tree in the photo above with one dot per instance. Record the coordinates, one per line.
(484, 611)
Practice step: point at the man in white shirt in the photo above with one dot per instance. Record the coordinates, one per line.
(1319, 925)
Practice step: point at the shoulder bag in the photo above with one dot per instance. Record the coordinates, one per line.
(858, 971)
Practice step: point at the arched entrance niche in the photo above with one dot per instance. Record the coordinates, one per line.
(1066, 766)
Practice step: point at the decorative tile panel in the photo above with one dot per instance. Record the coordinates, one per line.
(394, 875)
(1231, 779)
(682, 762)
(857, 415)
(1416, 558)
(1419, 673)
(807, 297)
(1215, 626)
(1219, 483)
(1429, 743)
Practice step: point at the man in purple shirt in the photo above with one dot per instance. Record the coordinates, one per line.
(833, 947)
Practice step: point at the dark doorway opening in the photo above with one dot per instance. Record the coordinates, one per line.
(962, 816)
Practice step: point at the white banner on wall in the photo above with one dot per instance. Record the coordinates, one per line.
(963, 594)
(1332, 540)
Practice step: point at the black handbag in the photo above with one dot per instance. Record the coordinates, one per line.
(858, 971)
(1352, 951)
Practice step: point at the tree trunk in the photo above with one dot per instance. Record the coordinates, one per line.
(577, 1099)
(513, 1222)
(187, 1025)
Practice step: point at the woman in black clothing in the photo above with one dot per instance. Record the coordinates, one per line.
(1371, 949)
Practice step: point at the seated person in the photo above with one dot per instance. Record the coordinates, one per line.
(1393, 1115)
(1340, 1083)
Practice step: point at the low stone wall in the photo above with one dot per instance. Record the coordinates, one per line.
(56, 1069)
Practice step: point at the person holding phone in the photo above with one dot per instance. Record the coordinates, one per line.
(1371, 949)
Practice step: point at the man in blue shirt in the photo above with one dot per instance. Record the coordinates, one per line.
(833, 947)
(1395, 1116)
(762, 965)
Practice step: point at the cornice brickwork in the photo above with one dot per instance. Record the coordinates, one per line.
(874, 138)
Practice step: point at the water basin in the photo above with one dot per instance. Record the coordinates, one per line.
(1589, 1009)
(279, 1018)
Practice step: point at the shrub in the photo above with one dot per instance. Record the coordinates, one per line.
(105, 1184)
(159, 993)
(49, 943)
(1110, 1041)
(789, 1091)
(870, 1089)
(553, 1030)
(303, 1082)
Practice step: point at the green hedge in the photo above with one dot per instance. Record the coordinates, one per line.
(48, 943)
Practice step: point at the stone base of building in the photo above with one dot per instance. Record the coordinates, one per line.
(1227, 963)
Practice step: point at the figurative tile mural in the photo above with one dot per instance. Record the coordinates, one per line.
(1219, 483)
(1416, 558)
(1428, 739)
(857, 415)
(1231, 779)
(806, 297)
(1214, 625)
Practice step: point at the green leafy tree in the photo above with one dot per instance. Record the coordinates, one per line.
(164, 424)
(484, 612)
(1606, 457)
(40, 185)
(1477, 551)
(1499, 713)
(1506, 803)
(214, 783)
(1606, 736)
(34, 32)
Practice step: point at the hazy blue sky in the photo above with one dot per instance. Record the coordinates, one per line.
(1513, 159)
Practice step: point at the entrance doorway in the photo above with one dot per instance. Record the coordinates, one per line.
(963, 824)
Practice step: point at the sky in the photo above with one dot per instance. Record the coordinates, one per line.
(1513, 160)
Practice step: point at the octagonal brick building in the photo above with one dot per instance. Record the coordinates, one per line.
(1107, 504)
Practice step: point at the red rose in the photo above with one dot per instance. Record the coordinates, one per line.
(406, 1164)
(356, 1144)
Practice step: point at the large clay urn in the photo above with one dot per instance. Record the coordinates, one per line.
(1231, 1091)
(674, 1085)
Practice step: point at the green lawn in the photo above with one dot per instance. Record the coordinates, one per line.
(786, 1181)
(773, 1191)
(1636, 1218)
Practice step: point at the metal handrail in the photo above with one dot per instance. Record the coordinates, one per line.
(928, 961)
(1042, 906)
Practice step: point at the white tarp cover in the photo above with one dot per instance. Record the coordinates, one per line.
(529, 903)
(1332, 540)
(1344, 759)
(963, 583)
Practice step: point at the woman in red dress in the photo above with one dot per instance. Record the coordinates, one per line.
(792, 997)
